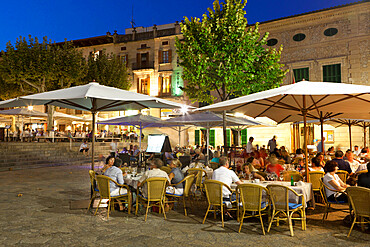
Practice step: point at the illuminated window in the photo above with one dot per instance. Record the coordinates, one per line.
(165, 86)
(143, 86)
(165, 57)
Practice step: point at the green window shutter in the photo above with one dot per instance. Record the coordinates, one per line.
(212, 138)
(228, 136)
(331, 73)
(197, 134)
(300, 74)
(244, 136)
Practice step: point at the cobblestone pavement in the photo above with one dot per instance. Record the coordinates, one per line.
(35, 211)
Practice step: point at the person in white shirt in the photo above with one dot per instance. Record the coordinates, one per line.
(84, 148)
(249, 148)
(113, 147)
(357, 151)
(332, 181)
(354, 164)
(226, 176)
(153, 172)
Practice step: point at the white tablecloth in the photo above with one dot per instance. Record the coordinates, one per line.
(300, 188)
(132, 181)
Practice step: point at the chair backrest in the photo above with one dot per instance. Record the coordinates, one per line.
(360, 172)
(359, 197)
(297, 176)
(214, 191)
(156, 188)
(103, 185)
(214, 165)
(189, 180)
(342, 175)
(279, 195)
(251, 196)
(185, 160)
(198, 174)
(92, 177)
(125, 158)
(167, 169)
(315, 177)
(281, 162)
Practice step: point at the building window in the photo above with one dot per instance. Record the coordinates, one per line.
(143, 86)
(143, 46)
(123, 48)
(165, 43)
(164, 56)
(144, 59)
(299, 37)
(165, 86)
(332, 73)
(330, 32)
(272, 42)
(124, 59)
(301, 74)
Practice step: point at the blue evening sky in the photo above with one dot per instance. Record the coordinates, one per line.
(77, 19)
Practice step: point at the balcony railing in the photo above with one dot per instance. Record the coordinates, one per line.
(147, 65)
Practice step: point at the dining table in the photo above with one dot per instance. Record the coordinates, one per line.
(299, 187)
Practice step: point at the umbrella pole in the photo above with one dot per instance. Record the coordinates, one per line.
(93, 140)
(141, 131)
(350, 136)
(207, 159)
(322, 133)
(304, 111)
(364, 135)
(179, 136)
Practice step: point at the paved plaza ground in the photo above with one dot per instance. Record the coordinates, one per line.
(35, 211)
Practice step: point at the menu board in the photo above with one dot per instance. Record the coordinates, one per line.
(158, 144)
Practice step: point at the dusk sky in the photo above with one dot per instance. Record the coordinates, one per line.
(76, 19)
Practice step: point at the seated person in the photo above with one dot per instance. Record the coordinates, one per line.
(199, 156)
(168, 157)
(342, 164)
(316, 165)
(354, 164)
(334, 183)
(226, 176)
(256, 163)
(246, 173)
(135, 153)
(363, 179)
(124, 151)
(300, 165)
(274, 167)
(299, 153)
(154, 171)
(216, 157)
(84, 148)
(321, 157)
(175, 177)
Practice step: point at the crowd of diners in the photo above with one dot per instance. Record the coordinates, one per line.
(259, 163)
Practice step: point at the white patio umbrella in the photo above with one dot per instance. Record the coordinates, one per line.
(138, 121)
(209, 120)
(94, 98)
(306, 99)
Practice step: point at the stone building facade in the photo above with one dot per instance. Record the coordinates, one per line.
(326, 45)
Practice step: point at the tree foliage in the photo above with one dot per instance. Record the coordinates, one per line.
(33, 66)
(107, 69)
(222, 54)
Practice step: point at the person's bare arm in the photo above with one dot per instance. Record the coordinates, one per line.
(337, 186)
(171, 176)
(238, 182)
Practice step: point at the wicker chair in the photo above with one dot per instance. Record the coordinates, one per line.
(297, 176)
(251, 200)
(167, 169)
(213, 190)
(279, 196)
(189, 180)
(156, 187)
(359, 198)
(104, 190)
(315, 178)
(343, 175)
(94, 189)
(199, 172)
(329, 202)
(214, 165)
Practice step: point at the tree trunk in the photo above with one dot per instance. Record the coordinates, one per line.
(50, 121)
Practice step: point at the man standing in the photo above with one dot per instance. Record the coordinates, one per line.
(113, 147)
(321, 145)
(342, 164)
(249, 148)
(271, 145)
(357, 151)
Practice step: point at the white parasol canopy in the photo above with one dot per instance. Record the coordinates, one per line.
(306, 99)
(93, 97)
